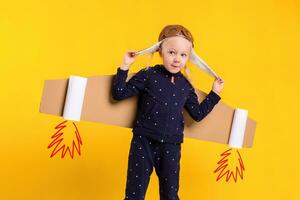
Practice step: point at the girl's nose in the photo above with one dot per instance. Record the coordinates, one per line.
(176, 59)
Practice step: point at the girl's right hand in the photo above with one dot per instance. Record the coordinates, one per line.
(128, 59)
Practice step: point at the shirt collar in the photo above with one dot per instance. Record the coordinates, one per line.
(162, 68)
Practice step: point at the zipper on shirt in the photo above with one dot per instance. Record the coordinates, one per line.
(173, 79)
(169, 109)
(168, 119)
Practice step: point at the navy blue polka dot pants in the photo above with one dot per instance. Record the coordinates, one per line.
(145, 154)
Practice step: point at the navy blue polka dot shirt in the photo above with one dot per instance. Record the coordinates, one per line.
(162, 95)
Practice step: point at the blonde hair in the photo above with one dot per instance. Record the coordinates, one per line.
(187, 74)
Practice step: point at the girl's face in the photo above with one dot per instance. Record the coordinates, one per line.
(175, 53)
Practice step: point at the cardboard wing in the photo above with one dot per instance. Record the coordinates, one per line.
(99, 106)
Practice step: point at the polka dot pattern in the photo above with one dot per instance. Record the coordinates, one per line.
(147, 154)
(164, 97)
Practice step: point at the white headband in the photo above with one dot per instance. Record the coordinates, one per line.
(194, 58)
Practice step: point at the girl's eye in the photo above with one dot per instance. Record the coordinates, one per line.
(183, 55)
(171, 52)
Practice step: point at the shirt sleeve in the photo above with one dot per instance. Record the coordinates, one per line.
(122, 89)
(197, 110)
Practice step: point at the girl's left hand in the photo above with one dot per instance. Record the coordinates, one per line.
(218, 85)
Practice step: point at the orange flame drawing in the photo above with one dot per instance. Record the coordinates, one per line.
(58, 139)
(223, 165)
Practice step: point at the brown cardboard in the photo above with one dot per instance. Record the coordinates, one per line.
(99, 106)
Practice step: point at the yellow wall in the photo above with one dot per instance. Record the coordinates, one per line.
(253, 45)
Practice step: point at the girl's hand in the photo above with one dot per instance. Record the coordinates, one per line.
(218, 85)
(128, 59)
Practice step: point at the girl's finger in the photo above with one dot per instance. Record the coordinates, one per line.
(132, 54)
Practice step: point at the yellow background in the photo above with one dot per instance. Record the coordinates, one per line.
(253, 45)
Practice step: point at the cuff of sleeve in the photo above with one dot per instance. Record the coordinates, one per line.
(122, 73)
(214, 96)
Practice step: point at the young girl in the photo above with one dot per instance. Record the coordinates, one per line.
(163, 92)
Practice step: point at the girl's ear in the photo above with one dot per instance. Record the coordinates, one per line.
(159, 51)
(190, 52)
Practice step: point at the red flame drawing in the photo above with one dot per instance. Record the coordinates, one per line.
(58, 144)
(223, 164)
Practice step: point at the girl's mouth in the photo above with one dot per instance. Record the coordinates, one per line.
(175, 66)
